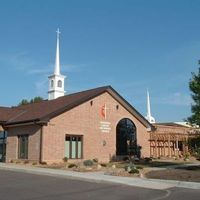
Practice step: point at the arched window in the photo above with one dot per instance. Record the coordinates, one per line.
(126, 138)
(52, 82)
(59, 83)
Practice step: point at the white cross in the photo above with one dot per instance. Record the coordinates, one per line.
(58, 32)
(105, 110)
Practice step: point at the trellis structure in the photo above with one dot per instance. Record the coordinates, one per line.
(169, 140)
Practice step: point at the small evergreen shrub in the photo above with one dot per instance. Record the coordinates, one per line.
(134, 171)
(71, 165)
(131, 168)
(65, 159)
(34, 163)
(88, 163)
(43, 163)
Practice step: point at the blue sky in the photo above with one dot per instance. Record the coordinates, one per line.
(128, 44)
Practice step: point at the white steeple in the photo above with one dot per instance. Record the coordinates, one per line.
(149, 117)
(56, 81)
(57, 63)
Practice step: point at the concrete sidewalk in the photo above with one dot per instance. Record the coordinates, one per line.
(101, 177)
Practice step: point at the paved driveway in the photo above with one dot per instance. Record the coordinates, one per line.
(24, 186)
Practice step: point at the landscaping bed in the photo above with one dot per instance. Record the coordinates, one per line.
(192, 174)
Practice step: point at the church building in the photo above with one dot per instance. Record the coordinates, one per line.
(96, 123)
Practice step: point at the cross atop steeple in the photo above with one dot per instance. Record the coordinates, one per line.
(58, 32)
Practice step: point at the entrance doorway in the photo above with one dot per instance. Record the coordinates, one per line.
(126, 138)
(2, 146)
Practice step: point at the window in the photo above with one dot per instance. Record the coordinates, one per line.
(74, 146)
(59, 83)
(23, 146)
(51, 83)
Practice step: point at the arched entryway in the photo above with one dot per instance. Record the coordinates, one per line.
(126, 138)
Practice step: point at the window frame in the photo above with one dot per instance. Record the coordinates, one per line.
(59, 84)
(70, 145)
(52, 83)
(26, 136)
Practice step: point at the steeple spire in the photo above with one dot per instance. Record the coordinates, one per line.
(56, 80)
(149, 117)
(57, 62)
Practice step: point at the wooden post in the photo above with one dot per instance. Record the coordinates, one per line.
(177, 150)
(156, 147)
(169, 152)
(164, 147)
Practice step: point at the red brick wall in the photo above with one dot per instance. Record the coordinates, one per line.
(85, 120)
(33, 144)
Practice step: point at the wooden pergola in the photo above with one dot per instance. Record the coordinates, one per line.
(169, 140)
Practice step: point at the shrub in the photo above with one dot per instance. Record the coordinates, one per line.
(18, 161)
(103, 164)
(43, 163)
(26, 162)
(126, 158)
(139, 167)
(95, 160)
(148, 160)
(134, 171)
(88, 163)
(71, 165)
(131, 168)
(65, 159)
(11, 161)
(34, 163)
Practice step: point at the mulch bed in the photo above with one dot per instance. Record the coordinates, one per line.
(175, 174)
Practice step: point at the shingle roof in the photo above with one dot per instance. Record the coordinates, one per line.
(170, 124)
(45, 110)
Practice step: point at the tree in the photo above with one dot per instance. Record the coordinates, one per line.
(34, 100)
(23, 102)
(194, 86)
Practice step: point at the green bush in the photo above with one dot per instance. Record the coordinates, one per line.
(134, 171)
(65, 159)
(131, 168)
(88, 163)
(71, 165)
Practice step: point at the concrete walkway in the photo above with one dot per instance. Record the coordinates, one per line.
(101, 177)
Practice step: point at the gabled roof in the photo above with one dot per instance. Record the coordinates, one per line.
(45, 110)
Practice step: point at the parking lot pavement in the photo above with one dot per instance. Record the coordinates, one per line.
(26, 186)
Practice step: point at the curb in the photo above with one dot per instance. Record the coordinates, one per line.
(101, 177)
